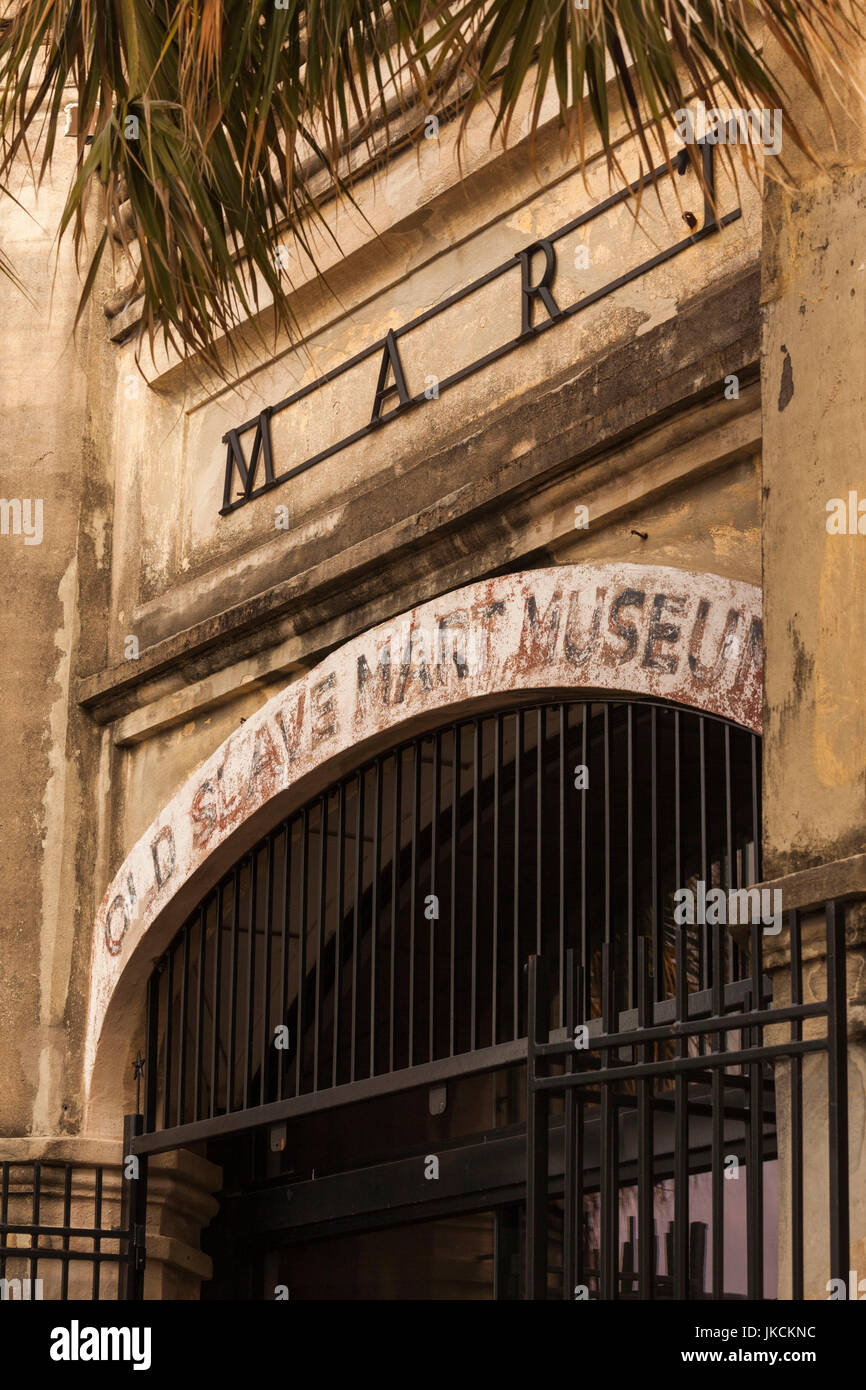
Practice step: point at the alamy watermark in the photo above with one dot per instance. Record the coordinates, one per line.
(22, 516)
(24, 1290)
(718, 907)
(77, 1343)
(855, 1289)
(846, 516)
(732, 125)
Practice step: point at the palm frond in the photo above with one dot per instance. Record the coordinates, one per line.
(210, 129)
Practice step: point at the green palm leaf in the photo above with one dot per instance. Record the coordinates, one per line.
(218, 126)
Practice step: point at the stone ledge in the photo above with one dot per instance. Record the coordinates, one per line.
(178, 1255)
(66, 1148)
(809, 890)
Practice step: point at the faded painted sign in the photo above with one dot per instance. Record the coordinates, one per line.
(647, 630)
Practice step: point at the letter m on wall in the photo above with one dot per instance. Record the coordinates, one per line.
(237, 462)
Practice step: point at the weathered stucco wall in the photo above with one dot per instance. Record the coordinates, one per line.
(54, 582)
(814, 370)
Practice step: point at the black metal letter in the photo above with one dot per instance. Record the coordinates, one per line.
(235, 458)
(390, 360)
(528, 291)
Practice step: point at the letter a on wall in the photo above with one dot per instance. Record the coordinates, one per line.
(390, 363)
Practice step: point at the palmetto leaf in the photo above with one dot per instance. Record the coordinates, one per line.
(251, 118)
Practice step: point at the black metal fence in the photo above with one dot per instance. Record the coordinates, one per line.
(679, 1096)
(56, 1237)
(384, 926)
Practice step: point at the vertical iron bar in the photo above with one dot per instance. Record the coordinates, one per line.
(796, 1074)
(267, 1035)
(97, 1223)
(184, 1023)
(320, 955)
(569, 1215)
(476, 793)
(657, 925)
(233, 989)
(37, 1196)
(703, 951)
(338, 929)
(562, 877)
(608, 1186)
(645, 1174)
(434, 852)
(730, 852)
(133, 1215)
(497, 822)
(169, 1021)
(537, 1135)
(413, 894)
(577, 1234)
(374, 908)
(719, 1044)
(67, 1222)
(539, 829)
(518, 750)
(302, 949)
(151, 1049)
(681, 1113)
(755, 1165)
(199, 1014)
(4, 1212)
(395, 900)
(217, 1008)
(837, 1091)
(455, 801)
(251, 977)
(631, 926)
(585, 965)
(284, 955)
(608, 813)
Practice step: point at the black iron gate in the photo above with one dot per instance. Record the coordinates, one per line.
(374, 942)
(383, 928)
(701, 1062)
(371, 948)
(57, 1240)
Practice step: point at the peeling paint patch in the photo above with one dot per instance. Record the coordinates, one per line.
(658, 310)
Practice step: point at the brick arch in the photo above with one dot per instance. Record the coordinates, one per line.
(637, 630)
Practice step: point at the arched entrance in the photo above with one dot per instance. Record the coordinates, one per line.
(343, 1015)
(342, 902)
(635, 630)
